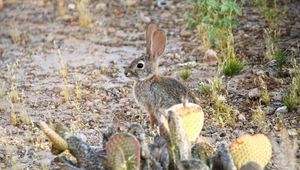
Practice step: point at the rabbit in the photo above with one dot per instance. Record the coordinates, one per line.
(152, 91)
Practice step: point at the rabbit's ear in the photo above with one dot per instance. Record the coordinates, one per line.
(151, 28)
(158, 43)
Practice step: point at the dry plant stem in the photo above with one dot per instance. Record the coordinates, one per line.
(57, 140)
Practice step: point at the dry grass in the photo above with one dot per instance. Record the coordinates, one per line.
(84, 13)
(265, 93)
(269, 45)
(61, 6)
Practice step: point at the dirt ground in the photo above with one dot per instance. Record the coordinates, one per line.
(56, 57)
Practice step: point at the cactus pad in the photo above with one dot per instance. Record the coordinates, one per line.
(255, 148)
(192, 118)
(123, 152)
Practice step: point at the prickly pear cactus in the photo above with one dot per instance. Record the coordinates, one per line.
(192, 118)
(123, 152)
(203, 151)
(255, 148)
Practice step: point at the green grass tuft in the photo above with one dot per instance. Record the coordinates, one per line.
(232, 66)
(280, 58)
(185, 74)
(290, 100)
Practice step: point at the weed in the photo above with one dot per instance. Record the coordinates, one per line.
(78, 90)
(204, 36)
(16, 36)
(185, 74)
(84, 13)
(290, 100)
(61, 7)
(280, 58)
(216, 16)
(271, 12)
(13, 116)
(265, 93)
(269, 45)
(25, 118)
(217, 85)
(13, 93)
(64, 73)
(102, 70)
(258, 115)
(232, 66)
(2, 91)
(222, 110)
(205, 89)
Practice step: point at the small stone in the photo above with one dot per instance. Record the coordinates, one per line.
(81, 136)
(71, 6)
(260, 73)
(101, 6)
(144, 18)
(276, 96)
(254, 93)
(210, 57)
(185, 33)
(241, 117)
(89, 103)
(132, 2)
(237, 133)
(292, 132)
(164, 4)
(268, 110)
(281, 110)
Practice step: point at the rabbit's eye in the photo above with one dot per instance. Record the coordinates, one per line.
(140, 65)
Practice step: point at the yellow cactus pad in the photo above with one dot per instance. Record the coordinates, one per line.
(192, 118)
(256, 148)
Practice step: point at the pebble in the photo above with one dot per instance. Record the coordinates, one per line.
(101, 6)
(292, 132)
(71, 6)
(241, 117)
(254, 93)
(185, 33)
(269, 110)
(144, 18)
(281, 110)
(163, 4)
(81, 136)
(276, 96)
(211, 57)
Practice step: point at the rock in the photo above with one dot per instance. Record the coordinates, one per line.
(268, 110)
(101, 6)
(132, 2)
(260, 73)
(71, 6)
(210, 57)
(164, 4)
(254, 93)
(144, 18)
(276, 96)
(281, 110)
(185, 33)
(241, 117)
(292, 132)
